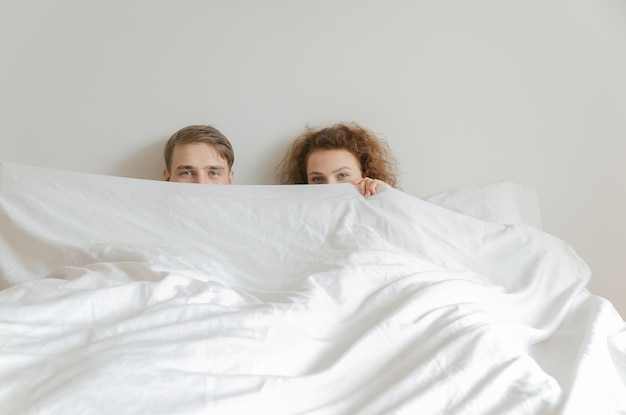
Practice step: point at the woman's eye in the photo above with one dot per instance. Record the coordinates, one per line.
(343, 175)
(316, 179)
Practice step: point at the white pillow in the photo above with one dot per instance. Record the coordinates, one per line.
(504, 203)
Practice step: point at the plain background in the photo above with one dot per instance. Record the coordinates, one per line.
(465, 92)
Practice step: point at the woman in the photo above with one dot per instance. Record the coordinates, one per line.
(342, 153)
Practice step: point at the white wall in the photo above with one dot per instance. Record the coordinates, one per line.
(466, 92)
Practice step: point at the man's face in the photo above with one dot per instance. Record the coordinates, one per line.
(198, 163)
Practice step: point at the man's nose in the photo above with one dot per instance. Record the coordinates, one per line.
(201, 179)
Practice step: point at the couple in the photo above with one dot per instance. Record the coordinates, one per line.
(341, 153)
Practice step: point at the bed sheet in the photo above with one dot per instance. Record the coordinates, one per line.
(134, 296)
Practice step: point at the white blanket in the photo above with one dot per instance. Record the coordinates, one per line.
(125, 296)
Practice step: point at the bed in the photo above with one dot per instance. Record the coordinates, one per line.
(127, 296)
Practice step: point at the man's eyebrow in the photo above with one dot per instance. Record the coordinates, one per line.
(183, 167)
(209, 167)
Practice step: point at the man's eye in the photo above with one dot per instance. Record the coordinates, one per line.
(185, 173)
(214, 173)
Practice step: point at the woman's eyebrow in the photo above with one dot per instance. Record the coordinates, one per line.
(333, 172)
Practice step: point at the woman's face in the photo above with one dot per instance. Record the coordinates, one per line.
(332, 166)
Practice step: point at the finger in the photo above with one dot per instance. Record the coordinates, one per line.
(374, 186)
(362, 185)
(371, 185)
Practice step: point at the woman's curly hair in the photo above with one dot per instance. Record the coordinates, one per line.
(372, 153)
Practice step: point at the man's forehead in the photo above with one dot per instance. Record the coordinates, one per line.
(197, 150)
(195, 145)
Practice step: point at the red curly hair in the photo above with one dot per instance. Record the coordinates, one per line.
(372, 153)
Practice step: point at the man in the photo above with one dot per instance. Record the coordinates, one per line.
(199, 154)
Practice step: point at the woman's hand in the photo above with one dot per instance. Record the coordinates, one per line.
(368, 187)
